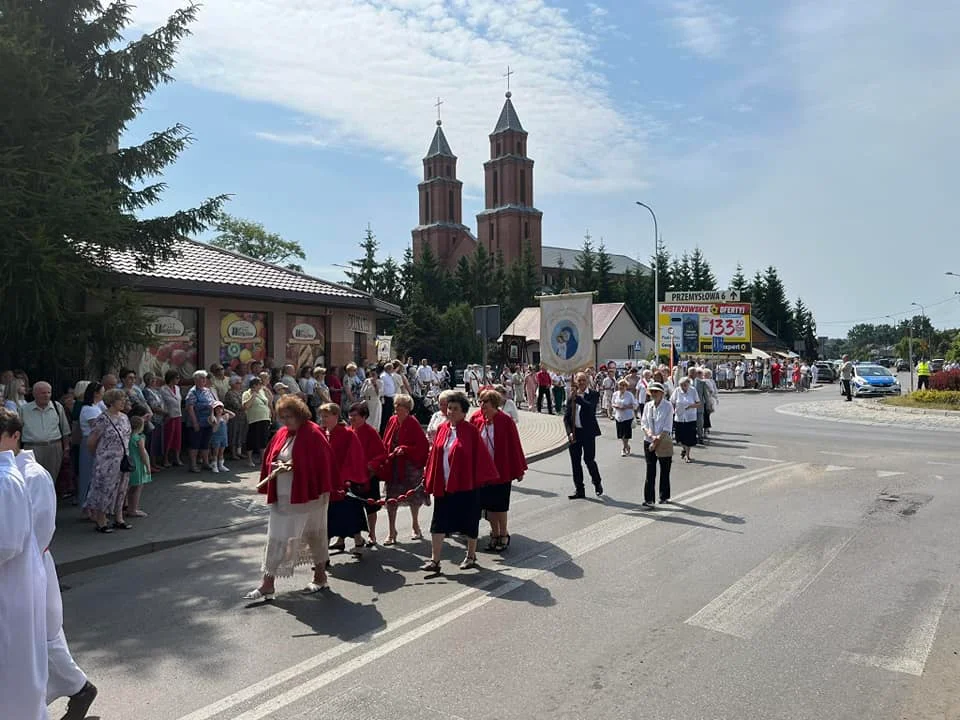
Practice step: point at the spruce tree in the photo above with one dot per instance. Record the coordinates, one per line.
(464, 279)
(680, 275)
(739, 283)
(71, 198)
(499, 289)
(701, 274)
(661, 263)
(586, 266)
(604, 273)
(776, 308)
(758, 294)
(364, 271)
(387, 282)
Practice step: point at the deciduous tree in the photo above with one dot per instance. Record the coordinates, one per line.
(252, 239)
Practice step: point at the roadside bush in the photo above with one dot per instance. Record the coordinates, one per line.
(940, 397)
(945, 380)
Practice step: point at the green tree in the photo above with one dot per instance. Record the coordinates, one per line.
(387, 282)
(364, 272)
(776, 308)
(758, 295)
(740, 284)
(407, 279)
(681, 278)
(604, 273)
(71, 199)
(701, 274)
(253, 240)
(481, 275)
(586, 266)
(661, 264)
(458, 341)
(418, 332)
(500, 290)
(464, 278)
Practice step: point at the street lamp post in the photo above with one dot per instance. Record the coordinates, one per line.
(909, 353)
(656, 283)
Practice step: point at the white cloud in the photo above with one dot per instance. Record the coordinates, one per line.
(366, 72)
(703, 28)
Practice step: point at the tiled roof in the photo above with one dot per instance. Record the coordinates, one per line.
(439, 147)
(509, 120)
(549, 258)
(527, 322)
(204, 269)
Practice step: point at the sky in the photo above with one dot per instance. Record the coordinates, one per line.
(819, 136)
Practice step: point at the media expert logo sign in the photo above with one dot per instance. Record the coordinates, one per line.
(705, 327)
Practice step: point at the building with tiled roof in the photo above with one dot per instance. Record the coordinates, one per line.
(211, 305)
(616, 333)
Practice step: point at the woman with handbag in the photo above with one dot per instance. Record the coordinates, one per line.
(111, 464)
(657, 425)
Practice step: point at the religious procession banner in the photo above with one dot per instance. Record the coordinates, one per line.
(705, 327)
(566, 332)
(384, 348)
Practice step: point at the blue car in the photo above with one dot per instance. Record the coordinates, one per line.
(873, 380)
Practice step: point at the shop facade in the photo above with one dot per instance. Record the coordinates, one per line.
(213, 306)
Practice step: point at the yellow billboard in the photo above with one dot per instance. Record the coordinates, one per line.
(705, 328)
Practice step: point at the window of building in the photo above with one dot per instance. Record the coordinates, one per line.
(451, 217)
(526, 229)
(359, 348)
(448, 171)
(523, 187)
(491, 234)
(426, 220)
(496, 190)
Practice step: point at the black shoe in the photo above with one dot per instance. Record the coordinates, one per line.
(79, 704)
(664, 501)
(599, 488)
(648, 503)
(577, 496)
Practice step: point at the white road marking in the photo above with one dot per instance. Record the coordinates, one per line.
(888, 473)
(743, 608)
(770, 460)
(753, 444)
(837, 468)
(939, 477)
(841, 454)
(565, 549)
(913, 658)
(931, 462)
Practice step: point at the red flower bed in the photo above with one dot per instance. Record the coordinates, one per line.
(945, 380)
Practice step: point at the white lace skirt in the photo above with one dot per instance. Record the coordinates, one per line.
(296, 534)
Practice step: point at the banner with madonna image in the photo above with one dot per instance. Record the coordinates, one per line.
(566, 332)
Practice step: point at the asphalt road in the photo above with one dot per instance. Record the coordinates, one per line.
(807, 570)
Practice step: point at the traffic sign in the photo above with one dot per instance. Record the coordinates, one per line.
(703, 296)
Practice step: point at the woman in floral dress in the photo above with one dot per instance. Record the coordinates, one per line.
(109, 442)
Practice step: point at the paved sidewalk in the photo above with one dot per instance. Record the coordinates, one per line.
(185, 507)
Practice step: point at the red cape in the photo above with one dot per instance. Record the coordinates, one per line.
(312, 464)
(374, 451)
(507, 451)
(349, 467)
(408, 435)
(471, 465)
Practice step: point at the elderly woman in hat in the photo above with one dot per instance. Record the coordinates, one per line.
(686, 402)
(657, 425)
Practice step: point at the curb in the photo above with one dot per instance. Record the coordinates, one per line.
(785, 410)
(917, 411)
(111, 558)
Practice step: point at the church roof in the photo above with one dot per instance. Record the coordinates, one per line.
(551, 257)
(439, 147)
(509, 120)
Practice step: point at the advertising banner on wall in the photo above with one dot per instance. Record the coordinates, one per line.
(566, 332)
(243, 337)
(175, 344)
(306, 335)
(706, 328)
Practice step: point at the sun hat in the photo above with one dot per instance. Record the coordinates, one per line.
(655, 387)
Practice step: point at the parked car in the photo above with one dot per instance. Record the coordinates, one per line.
(902, 365)
(936, 365)
(826, 372)
(872, 380)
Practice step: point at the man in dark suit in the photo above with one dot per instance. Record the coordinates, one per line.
(580, 421)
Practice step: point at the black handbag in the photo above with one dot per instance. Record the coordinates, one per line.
(126, 465)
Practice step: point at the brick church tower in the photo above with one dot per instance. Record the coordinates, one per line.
(510, 220)
(441, 206)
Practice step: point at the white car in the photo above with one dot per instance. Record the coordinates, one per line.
(873, 380)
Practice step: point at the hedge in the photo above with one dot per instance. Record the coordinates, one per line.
(941, 397)
(945, 380)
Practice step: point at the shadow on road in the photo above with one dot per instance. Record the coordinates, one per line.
(524, 490)
(699, 512)
(708, 463)
(331, 615)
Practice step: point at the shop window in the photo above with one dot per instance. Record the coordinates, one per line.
(359, 348)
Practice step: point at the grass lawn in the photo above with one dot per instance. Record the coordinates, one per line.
(910, 402)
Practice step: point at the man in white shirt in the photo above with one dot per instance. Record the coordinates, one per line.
(289, 379)
(23, 641)
(389, 390)
(426, 377)
(46, 429)
(65, 679)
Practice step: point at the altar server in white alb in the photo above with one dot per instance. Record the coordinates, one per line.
(23, 636)
(65, 678)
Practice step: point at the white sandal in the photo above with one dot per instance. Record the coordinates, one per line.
(313, 588)
(257, 595)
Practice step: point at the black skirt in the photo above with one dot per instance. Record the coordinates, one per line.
(686, 433)
(457, 513)
(346, 518)
(372, 492)
(257, 436)
(495, 498)
(625, 429)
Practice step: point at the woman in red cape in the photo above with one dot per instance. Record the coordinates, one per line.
(375, 454)
(458, 467)
(346, 516)
(402, 470)
(297, 477)
(502, 440)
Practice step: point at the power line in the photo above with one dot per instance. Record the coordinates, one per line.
(887, 316)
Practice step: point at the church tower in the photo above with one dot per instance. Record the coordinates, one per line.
(510, 220)
(441, 207)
